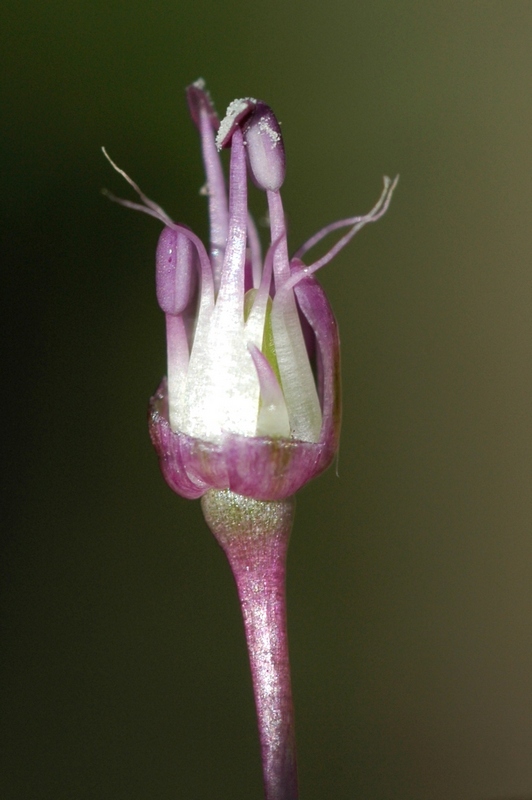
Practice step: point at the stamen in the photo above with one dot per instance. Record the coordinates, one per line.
(218, 212)
(255, 250)
(264, 148)
(232, 281)
(281, 268)
(257, 315)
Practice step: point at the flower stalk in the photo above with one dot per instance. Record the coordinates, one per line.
(254, 535)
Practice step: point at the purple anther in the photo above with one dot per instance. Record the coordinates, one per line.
(236, 114)
(199, 99)
(174, 271)
(265, 149)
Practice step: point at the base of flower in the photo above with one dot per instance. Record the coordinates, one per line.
(254, 535)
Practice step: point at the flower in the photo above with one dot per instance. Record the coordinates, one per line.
(251, 402)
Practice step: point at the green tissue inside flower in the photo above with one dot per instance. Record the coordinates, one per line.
(268, 344)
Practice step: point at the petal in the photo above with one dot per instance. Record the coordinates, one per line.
(167, 444)
(296, 374)
(297, 380)
(316, 308)
(177, 366)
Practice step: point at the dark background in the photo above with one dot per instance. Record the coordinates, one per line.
(123, 666)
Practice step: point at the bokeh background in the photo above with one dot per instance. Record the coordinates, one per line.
(123, 666)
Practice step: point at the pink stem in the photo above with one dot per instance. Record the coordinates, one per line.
(254, 535)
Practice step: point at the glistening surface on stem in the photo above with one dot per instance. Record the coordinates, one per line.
(254, 535)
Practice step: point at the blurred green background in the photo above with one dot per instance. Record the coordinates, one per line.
(123, 666)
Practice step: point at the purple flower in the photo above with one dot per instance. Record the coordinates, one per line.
(250, 410)
(252, 398)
